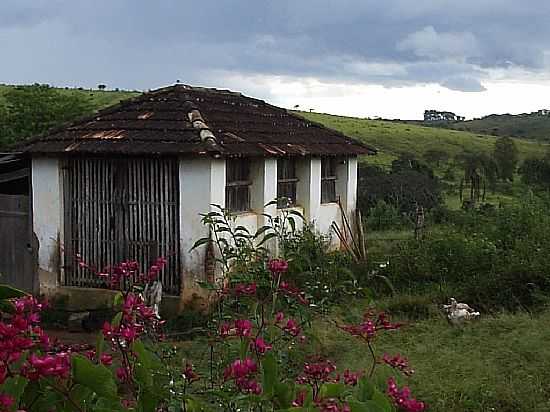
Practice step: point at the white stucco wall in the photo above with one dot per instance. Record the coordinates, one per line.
(202, 184)
(47, 219)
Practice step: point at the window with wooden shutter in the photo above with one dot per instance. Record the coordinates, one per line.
(286, 183)
(328, 180)
(237, 186)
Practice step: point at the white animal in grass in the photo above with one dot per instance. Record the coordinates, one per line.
(458, 313)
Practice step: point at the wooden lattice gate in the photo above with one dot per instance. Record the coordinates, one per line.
(17, 252)
(121, 209)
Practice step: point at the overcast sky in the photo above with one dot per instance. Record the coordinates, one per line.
(388, 58)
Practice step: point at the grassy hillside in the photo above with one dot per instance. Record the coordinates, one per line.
(393, 138)
(98, 98)
(528, 126)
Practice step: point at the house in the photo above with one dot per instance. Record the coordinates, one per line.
(131, 181)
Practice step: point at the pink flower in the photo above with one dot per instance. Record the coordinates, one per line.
(260, 345)
(247, 289)
(241, 372)
(47, 365)
(370, 326)
(402, 398)
(315, 373)
(189, 374)
(277, 266)
(292, 327)
(398, 362)
(106, 359)
(351, 378)
(122, 374)
(279, 316)
(243, 327)
(6, 401)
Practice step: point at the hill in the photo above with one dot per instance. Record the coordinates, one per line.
(393, 138)
(528, 126)
(98, 98)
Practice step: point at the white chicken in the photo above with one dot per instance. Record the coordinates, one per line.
(458, 313)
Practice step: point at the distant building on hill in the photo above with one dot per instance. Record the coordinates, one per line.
(437, 116)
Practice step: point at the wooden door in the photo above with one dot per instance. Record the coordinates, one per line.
(17, 258)
(121, 209)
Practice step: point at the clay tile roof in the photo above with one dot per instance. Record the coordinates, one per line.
(182, 119)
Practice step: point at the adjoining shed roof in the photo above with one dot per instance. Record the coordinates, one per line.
(182, 119)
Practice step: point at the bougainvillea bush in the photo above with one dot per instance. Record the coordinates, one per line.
(259, 344)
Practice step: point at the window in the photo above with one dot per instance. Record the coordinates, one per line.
(237, 193)
(328, 180)
(286, 183)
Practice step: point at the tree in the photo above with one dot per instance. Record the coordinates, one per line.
(506, 156)
(435, 156)
(480, 169)
(32, 110)
(101, 86)
(535, 171)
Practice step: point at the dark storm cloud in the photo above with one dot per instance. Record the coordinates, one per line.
(141, 44)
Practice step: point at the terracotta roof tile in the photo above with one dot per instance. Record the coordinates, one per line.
(192, 120)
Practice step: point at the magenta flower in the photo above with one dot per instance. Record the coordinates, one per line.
(351, 378)
(58, 365)
(246, 289)
(241, 372)
(398, 362)
(189, 374)
(370, 326)
(6, 401)
(279, 316)
(122, 374)
(106, 359)
(292, 327)
(243, 327)
(278, 266)
(260, 345)
(402, 398)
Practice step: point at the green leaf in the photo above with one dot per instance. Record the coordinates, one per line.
(118, 299)
(14, 386)
(81, 394)
(364, 390)
(200, 242)
(368, 406)
(99, 345)
(96, 377)
(117, 319)
(297, 213)
(147, 402)
(269, 373)
(382, 401)
(9, 292)
(267, 237)
(332, 390)
(261, 230)
(284, 393)
(292, 224)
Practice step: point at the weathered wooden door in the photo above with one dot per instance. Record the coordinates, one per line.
(121, 209)
(17, 259)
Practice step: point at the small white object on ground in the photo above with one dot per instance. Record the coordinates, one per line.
(458, 313)
(153, 296)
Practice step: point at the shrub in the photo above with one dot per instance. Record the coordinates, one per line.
(385, 216)
(492, 258)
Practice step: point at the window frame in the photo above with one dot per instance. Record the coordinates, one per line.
(242, 182)
(328, 180)
(290, 179)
